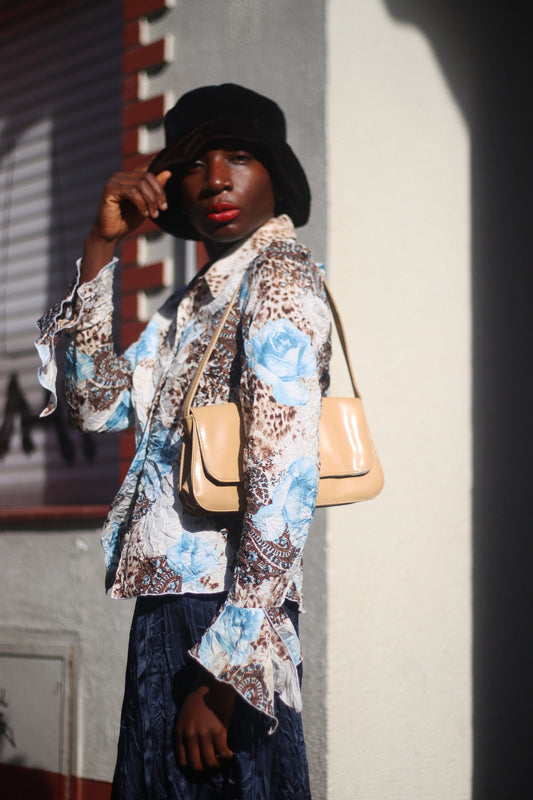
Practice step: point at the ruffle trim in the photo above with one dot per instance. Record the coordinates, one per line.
(256, 651)
(65, 315)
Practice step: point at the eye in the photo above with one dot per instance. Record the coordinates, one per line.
(240, 157)
(195, 164)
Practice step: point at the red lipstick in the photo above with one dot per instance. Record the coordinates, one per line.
(222, 212)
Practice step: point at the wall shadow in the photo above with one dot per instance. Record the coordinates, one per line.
(485, 55)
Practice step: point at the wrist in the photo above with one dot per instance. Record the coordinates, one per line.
(97, 252)
(206, 682)
(96, 239)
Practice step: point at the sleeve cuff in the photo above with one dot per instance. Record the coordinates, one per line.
(256, 651)
(66, 315)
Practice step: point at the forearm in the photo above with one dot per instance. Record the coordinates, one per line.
(97, 252)
(128, 198)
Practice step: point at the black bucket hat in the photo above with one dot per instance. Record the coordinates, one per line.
(229, 112)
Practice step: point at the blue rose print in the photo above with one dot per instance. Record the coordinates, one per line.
(293, 503)
(282, 356)
(149, 341)
(192, 557)
(158, 462)
(301, 497)
(232, 633)
(80, 364)
(110, 543)
(122, 415)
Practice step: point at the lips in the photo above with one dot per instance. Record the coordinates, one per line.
(222, 212)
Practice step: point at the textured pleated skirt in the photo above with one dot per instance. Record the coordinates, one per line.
(159, 676)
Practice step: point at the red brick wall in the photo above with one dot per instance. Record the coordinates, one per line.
(137, 112)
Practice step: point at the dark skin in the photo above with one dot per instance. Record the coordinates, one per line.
(231, 176)
(127, 200)
(227, 194)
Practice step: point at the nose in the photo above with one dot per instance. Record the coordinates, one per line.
(217, 176)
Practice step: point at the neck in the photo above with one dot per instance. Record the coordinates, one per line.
(216, 250)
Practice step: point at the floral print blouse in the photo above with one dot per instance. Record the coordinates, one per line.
(272, 358)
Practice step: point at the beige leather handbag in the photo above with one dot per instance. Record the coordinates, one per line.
(211, 469)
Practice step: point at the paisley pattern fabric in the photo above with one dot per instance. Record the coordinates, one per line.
(272, 357)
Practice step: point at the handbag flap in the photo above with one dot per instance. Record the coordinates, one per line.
(220, 436)
(345, 444)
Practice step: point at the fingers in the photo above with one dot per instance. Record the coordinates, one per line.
(162, 177)
(128, 199)
(201, 744)
(202, 751)
(144, 190)
(181, 752)
(220, 743)
(193, 755)
(202, 726)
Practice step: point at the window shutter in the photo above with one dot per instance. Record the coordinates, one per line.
(60, 82)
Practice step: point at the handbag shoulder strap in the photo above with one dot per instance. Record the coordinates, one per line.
(193, 386)
(342, 338)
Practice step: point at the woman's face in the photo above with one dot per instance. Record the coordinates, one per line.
(227, 194)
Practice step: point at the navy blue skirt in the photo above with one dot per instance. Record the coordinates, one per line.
(159, 676)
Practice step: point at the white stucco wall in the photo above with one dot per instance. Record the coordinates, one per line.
(399, 633)
(53, 590)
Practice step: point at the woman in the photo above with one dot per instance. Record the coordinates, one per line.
(212, 701)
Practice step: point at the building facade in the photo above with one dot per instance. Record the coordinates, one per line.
(383, 129)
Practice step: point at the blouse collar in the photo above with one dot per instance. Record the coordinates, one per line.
(223, 275)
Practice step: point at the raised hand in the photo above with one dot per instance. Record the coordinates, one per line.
(128, 199)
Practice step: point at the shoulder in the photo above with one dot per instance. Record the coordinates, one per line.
(288, 263)
(284, 283)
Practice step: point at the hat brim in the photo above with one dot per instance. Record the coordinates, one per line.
(288, 177)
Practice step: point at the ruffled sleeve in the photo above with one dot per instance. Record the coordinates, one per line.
(256, 650)
(97, 381)
(252, 643)
(64, 315)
